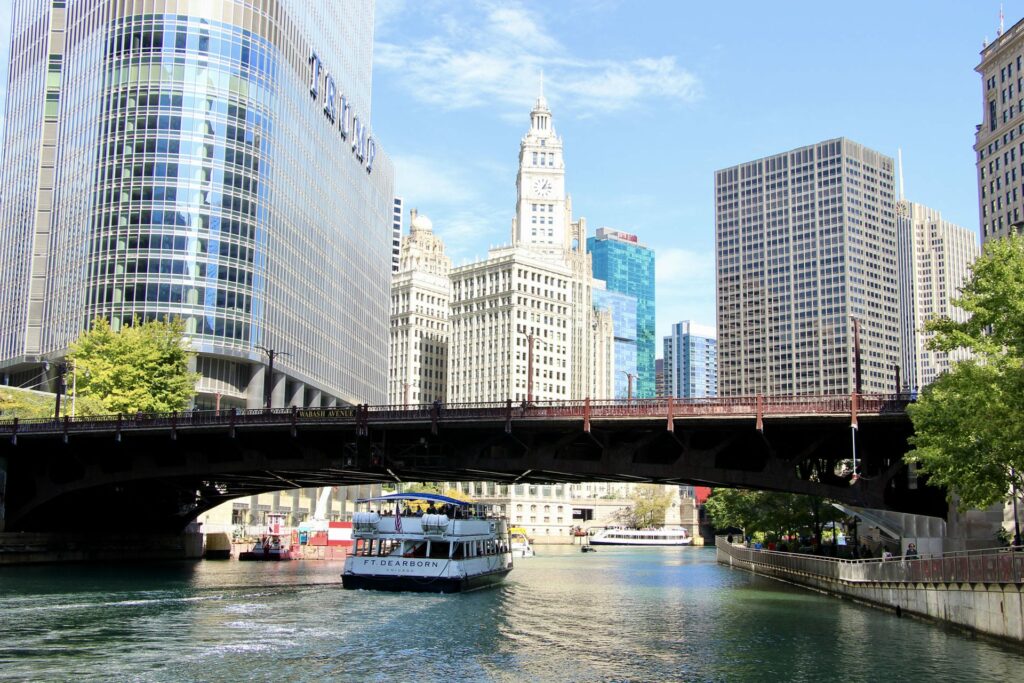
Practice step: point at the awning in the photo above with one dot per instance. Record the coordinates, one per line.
(432, 497)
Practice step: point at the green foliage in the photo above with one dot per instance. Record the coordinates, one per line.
(141, 368)
(650, 503)
(968, 435)
(22, 403)
(774, 514)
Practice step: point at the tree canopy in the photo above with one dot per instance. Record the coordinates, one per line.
(141, 368)
(769, 512)
(650, 503)
(968, 433)
(22, 403)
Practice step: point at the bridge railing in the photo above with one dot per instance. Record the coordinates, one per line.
(990, 565)
(587, 409)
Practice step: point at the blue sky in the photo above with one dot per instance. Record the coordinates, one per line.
(651, 97)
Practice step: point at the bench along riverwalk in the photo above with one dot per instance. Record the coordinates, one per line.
(980, 590)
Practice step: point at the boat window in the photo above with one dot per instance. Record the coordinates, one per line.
(438, 549)
(414, 549)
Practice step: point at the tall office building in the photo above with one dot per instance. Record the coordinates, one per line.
(627, 266)
(622, 308)
(421, 295)
(522, 320)
(935, 258)
(206, 160)
(806, 249)
(999, 140)
(691, 363)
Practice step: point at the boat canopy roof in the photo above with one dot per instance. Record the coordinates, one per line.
(433, 497)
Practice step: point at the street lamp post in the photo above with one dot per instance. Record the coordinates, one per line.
(268, 383)
(629, 385)
(1016, 520)
(62, 368)
(529, 370)
(856, 355)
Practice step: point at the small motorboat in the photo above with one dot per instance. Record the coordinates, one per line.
(269, 547)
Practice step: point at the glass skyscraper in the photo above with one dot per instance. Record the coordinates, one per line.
(624, 330)
(211, 161)
(691, 363)
(628, 267)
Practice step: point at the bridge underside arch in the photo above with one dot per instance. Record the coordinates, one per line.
(160, 479)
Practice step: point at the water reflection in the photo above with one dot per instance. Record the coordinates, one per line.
(658, 614)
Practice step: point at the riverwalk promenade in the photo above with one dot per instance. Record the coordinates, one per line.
(980, 590)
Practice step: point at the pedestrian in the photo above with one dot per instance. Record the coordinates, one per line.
(911, 551)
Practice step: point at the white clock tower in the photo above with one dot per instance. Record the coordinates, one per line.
(542, 216)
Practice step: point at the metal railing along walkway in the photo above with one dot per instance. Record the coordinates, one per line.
(991, 565)
(755, 407)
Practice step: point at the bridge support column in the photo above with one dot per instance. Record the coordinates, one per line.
(297, 396)
(3, 493)
(254, 390)
(277, 391)
(331, 402)
(313, 397)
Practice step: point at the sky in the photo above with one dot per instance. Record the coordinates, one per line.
(652, 96)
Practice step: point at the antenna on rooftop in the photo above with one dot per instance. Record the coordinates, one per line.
(1000, 20)
(899, 162)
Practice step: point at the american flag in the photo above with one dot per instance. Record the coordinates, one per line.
(398, 519)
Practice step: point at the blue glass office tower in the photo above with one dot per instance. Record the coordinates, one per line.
(628, 267)
(623, 310)
(211, 161)
(691, 363)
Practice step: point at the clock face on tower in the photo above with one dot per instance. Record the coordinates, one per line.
(542, 186)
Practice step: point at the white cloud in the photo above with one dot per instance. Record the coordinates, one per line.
(684, 290)
(421, 179)
(487, 54)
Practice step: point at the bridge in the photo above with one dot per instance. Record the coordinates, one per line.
(73, 474)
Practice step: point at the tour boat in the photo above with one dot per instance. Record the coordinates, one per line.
(641, 537)
(269, 546)
(520, 544)
(448, 549)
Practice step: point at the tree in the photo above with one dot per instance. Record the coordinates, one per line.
(968, 435)
(769, 512)
(650, 502)
(23, 403)
(141, 368)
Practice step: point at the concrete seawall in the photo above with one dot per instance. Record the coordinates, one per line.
(38, 548)
(980, 592)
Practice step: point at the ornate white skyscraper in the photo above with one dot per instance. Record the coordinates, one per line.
(542, 208)
(420, 306)
(523, 325)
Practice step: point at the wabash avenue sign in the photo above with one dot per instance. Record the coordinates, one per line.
(339, 112)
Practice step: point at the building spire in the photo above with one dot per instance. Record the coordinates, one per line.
(542, 103)
(899, 163)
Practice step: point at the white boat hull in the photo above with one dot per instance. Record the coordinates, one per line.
(641, 537)
(428, 575)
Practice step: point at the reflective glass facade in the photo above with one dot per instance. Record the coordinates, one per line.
(200, 173)
(624, 330)
(691, 363)
(628, 267)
